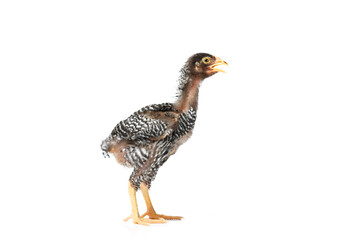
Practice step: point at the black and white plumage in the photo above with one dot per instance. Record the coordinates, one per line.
(147, 138)
(150, 140)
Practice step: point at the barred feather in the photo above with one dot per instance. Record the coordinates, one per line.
(140, 130)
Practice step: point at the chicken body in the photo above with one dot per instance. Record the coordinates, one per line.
(148, 137)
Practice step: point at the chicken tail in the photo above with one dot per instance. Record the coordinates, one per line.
(105, 145)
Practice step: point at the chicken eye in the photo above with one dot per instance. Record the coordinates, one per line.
(206, 60)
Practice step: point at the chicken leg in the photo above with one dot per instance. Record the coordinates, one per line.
(135, 211)
(150, 209)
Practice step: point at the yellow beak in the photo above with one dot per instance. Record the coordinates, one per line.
(218, 62)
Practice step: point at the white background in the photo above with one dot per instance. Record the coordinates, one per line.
(275, 152)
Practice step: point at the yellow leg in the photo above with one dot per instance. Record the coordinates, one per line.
(135, 211)
(150, 209)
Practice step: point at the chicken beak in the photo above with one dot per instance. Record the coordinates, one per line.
(218, 62)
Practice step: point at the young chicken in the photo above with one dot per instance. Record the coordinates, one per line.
(146, 139)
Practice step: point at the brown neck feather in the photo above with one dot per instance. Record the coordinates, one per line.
(189, 96)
